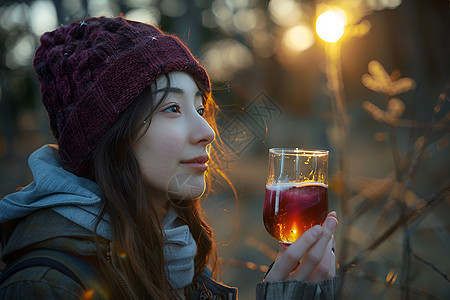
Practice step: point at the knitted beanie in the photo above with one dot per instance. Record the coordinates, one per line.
(92, 70)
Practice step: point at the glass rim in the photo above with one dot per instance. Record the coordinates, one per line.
(298, 151)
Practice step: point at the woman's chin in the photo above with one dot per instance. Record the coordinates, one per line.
(186, 186)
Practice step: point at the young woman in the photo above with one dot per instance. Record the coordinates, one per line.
(132, 113)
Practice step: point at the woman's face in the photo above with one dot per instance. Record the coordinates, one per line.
(172, 153)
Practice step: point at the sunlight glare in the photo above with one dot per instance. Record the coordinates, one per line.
(330, 25)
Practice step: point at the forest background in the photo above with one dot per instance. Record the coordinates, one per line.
(377, 99)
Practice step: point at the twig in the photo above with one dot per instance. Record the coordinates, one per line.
(406, 263)
(433, 229)
(242, 264)
(427, 137)
(408, 216)
(416, 124)
(406, 185)
(394, 147)
(334, 77)
(395, 151)
(390, 284)
(431, 265)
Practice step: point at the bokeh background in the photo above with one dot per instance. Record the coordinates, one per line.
(279, 84)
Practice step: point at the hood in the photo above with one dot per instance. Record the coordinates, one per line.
(75, 198)
(46, 229)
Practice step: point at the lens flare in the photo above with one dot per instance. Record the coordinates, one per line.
(330, 25)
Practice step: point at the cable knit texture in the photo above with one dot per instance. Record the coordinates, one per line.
(92, 70)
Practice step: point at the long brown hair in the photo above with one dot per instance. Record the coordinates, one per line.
(138, 242)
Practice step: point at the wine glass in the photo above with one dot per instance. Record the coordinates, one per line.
(296, 196)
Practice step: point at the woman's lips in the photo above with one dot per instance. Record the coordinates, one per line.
(198, 166)
(197, 163)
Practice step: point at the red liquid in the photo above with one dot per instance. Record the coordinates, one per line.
(300, 207)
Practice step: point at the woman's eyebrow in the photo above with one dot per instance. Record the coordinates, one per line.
(175, 90)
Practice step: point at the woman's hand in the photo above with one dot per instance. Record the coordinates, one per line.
(310, 258)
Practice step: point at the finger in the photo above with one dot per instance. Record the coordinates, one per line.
(332, 272)
(324, 268)
(314, 256)
(292, 255)
(281, 249)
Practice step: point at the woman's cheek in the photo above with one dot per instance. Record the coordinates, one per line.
(160, 159)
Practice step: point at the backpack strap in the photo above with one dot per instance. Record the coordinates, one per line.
(80, 270)
(204, 287)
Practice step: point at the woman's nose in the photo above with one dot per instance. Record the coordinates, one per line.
(202, 131)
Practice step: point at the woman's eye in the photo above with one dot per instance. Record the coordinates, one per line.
(173, 109)
(201, 111)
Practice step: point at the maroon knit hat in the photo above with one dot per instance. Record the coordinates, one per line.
(92, 70)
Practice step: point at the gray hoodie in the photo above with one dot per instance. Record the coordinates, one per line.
(75, 198)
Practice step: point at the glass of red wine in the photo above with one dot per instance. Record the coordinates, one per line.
(296, 196)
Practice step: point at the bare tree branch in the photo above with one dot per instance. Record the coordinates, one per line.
(409, 216)
(390, 283)
(431, 265)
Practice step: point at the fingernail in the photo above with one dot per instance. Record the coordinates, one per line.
(331, 223)
(316, 230)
